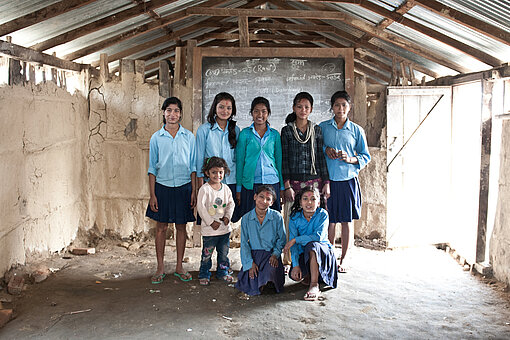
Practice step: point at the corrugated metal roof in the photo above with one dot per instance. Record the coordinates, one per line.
(494, 12)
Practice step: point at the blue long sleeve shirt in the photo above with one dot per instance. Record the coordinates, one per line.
(172, 159)
(350, 138)
(269, 236)
(214, 142)
(305, 231)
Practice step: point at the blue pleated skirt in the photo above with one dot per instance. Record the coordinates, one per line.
(267, 273)
(248, 203)
(174, 204)
(326, 260)
(344, 204)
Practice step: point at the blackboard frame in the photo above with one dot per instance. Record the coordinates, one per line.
(347, 54)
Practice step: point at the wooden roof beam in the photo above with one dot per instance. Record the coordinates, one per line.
(393, 39)
(41, 15)
(466, 20)
(100, 24)
(29, 55)
(282, 37)
(135, 32)
(465, 48)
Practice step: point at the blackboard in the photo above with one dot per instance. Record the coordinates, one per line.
(278, 79)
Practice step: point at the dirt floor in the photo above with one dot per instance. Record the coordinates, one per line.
(405, 294)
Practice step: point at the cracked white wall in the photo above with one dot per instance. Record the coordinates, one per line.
(41, 170)
(123, 116)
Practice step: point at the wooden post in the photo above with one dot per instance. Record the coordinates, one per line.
(180, 70)
(54, 72)
(244, 35)
(31, 73)
(164, 90)
(191, 44)
(405, 81)
(14, 68)
(104, 73)
(485, 161)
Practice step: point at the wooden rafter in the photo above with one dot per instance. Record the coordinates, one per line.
(396, 17)
(393, 39)
(282, 37)
(466, 20)
(41, 15)
(27, 54)
(367, 45)
(135, 32)
(97, 25)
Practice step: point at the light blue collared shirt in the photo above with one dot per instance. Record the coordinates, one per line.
(307, 231)
(269, 236)
(214, 142)
(265, 173)
(350, 138)
(172, 160)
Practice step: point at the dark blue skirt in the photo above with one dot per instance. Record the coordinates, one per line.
(267, 273)
(326, 260)
(248, 203)
(174, 204)
(344, 204)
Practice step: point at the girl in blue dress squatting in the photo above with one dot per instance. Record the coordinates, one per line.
(172, 175)
(313, 256)
(262, 240)
(215, 205)
(346, 151)
(218, 137)
(258, 157)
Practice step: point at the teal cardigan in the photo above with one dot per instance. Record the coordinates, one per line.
(248, 151)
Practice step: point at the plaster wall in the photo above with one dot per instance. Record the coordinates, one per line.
(124, 113)
(41, 170)
(500, 240)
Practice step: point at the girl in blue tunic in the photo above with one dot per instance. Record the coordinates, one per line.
(218, 138)
(172, 175)
(347, 153)
(313, 256)
(258, 157)
(262, 240)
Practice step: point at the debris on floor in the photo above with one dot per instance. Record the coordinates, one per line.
(83, 251)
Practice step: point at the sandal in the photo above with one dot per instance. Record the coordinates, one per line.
(313, 294)
(157, 278)
(183, 276)
(341, 269)
(286, 269)
(227, 278)
(204, 281)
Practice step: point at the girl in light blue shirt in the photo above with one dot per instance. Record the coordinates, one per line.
(218, 138)
(172, 176)
(347, 153)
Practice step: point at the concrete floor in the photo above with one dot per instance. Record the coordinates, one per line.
(404, 294)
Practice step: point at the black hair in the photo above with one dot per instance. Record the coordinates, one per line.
(211, 117)
(291, 117)
(266, 187)
(215, 162)
(340, 94)
(263, 101)
(167, 102)
(296, 206)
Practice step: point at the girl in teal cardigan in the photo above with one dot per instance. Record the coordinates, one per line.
(258, 157)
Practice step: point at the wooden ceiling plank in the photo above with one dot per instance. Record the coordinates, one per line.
(244, 33)
(41, 15)
(100, 24)
(465, 48)
(466, 20)
(291, 37)
(266, 13)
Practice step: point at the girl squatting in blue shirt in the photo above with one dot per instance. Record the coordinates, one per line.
(172, 174)
(346, 151)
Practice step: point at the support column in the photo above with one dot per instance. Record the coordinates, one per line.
(486, 132)
(244, 36)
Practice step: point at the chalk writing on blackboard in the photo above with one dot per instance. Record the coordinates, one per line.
(277, 79)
